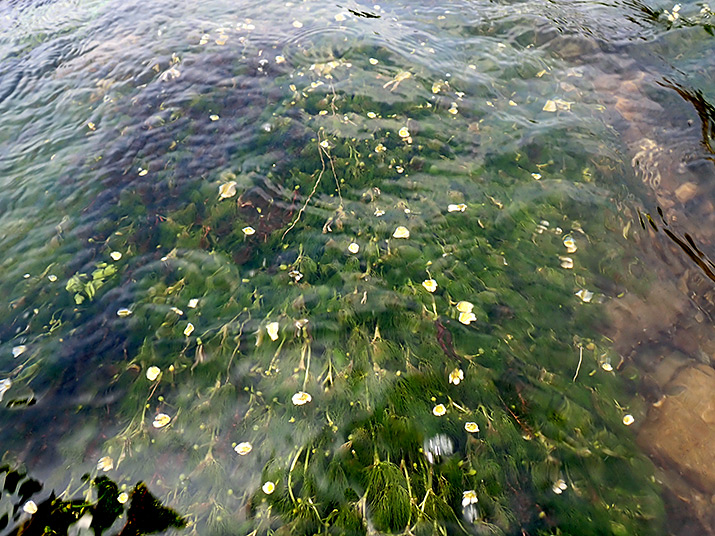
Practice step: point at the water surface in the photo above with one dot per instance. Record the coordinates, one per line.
(305, 267)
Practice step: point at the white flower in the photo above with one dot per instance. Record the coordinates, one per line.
(30, 507)
(606, 366)
(628, 419)
(189, 329)
(243, 448)
(371, 115)
(465, 306)
(469, 497)
(430, 285)
(268, 488)
(161, 420)
(227, 190)
(585, 295)
(467, 318)
(566, 262)
(471, 427)
(570, 244)
(193, 302)
(404, 132)
(457, 208)
(272, 330)
(124, 312)
(401, 232)
(301, 398)
(122, 497)
(456, 376)
(353, 247)
(439, 410)
(248, 230)
(559, 486)
(18, 350)
(116, 255)
(152, 373)
(215, 117)
(105, 464)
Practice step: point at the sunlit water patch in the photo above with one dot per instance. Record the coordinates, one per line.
(352, 269)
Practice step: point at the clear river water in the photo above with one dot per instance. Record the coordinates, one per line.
(357, 268)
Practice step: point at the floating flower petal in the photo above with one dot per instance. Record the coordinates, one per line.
(471, 427)
(243, 448)
(465, 307)
(214, 117)
(628, 419)
(268, 488)
(248, 230)
(559, 486)
(430, 285)
(570, 244)
(550, 106)
(152, 373)
(606, 366)
(353, 248)
(116, 255)
(227, 190)
(105, 464)
(272, 330)
(18, 350)
(456, 376)
(124, 312)
(189, 329)
(404, 132)
(193, 302)
(439, 410)
(401, 232)
(301, 398)
(467, 318)
(585, 295)
(161, 420)
(469, 497)
(457, 208)
(30, 507)
(566, 262)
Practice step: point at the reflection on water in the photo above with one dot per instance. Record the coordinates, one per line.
(361, 269)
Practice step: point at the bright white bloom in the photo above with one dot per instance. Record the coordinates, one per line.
(456, 376)
(469, 497)
(30, 507)
(457, 208)
(189, 329)
(301, 398)
(439, 410)
(161, 420)
(227, 190)
(105, 464)
(268, 488)
(628, 419)
(248, 230)
(585, 295)
(467, 318)
(116, 255)
(353, 247)
(243, 448)
(124, 312)
(559, 486)
(401, 232)
(152, 373)
(471, 427)
(272, 330)
(430, 285)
